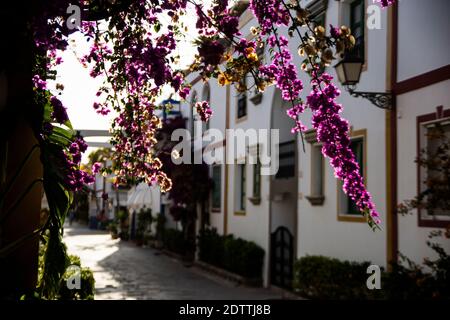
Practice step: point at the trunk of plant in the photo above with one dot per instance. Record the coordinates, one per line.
(20, 194)
(18, 268)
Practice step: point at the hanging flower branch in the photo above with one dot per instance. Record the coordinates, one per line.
(332, 130)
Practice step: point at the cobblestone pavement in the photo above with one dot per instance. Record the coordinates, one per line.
(124, 271)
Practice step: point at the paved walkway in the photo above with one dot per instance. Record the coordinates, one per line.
(124, 271)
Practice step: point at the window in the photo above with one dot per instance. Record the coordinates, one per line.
(240, 187)
(242, 100)
(287, 160)
(316, 196)
(437, 135)
(357, 147)
(433, 139)
(317, 170)
(257, 180)
(357, 26)
(318, 11)
(253, 151)
(347, 209)
(216, 189)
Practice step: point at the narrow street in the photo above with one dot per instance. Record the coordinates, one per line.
(125, 271)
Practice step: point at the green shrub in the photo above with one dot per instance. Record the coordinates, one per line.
(113, 227)
(211, 247)
(318, 277)
(124, 235)
(87, 281)
(410, 281)
(236, 255)
(252, 259)
(144, 220)
(327, 278)
(174, 241)
(87, 286)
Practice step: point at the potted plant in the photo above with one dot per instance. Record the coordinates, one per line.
(113, 230)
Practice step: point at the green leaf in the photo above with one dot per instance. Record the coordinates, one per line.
(48, 109)
(59, 199)
(61, 136)
(67, 133)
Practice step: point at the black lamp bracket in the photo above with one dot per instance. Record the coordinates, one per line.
(382, 100)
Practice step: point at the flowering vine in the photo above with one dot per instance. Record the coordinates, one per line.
(135, 54)
(332, 129)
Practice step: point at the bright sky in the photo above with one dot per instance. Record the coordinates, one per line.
(80, 89)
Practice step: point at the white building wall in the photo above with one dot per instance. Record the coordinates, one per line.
(422, 47)
(412, 238)
(424, 41)
(319, 231)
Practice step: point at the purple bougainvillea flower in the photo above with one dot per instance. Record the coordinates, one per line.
(385, 3)
(96, 167)
(59, 111)
(204, 110)
(39, 83)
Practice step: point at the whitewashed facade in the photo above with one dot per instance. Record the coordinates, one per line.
(423, 98)
(403, 56)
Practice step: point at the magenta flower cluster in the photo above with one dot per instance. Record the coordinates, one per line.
(385, 3)
(59, 111)
(332, 132)
(269, 13)
(75, 178)
(101, 108)
(96, 167)
(139, 64)
(286, 77)
(203, 110)
(39, 83)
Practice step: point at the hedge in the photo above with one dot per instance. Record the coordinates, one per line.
(319, 277)
(174, 241)
(233, 254)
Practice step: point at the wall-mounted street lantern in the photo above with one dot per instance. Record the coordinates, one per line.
(349, 71)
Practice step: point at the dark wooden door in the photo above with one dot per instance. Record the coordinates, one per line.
(282, 257)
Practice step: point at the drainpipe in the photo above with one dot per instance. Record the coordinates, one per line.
(392, 174)
(227, 125)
